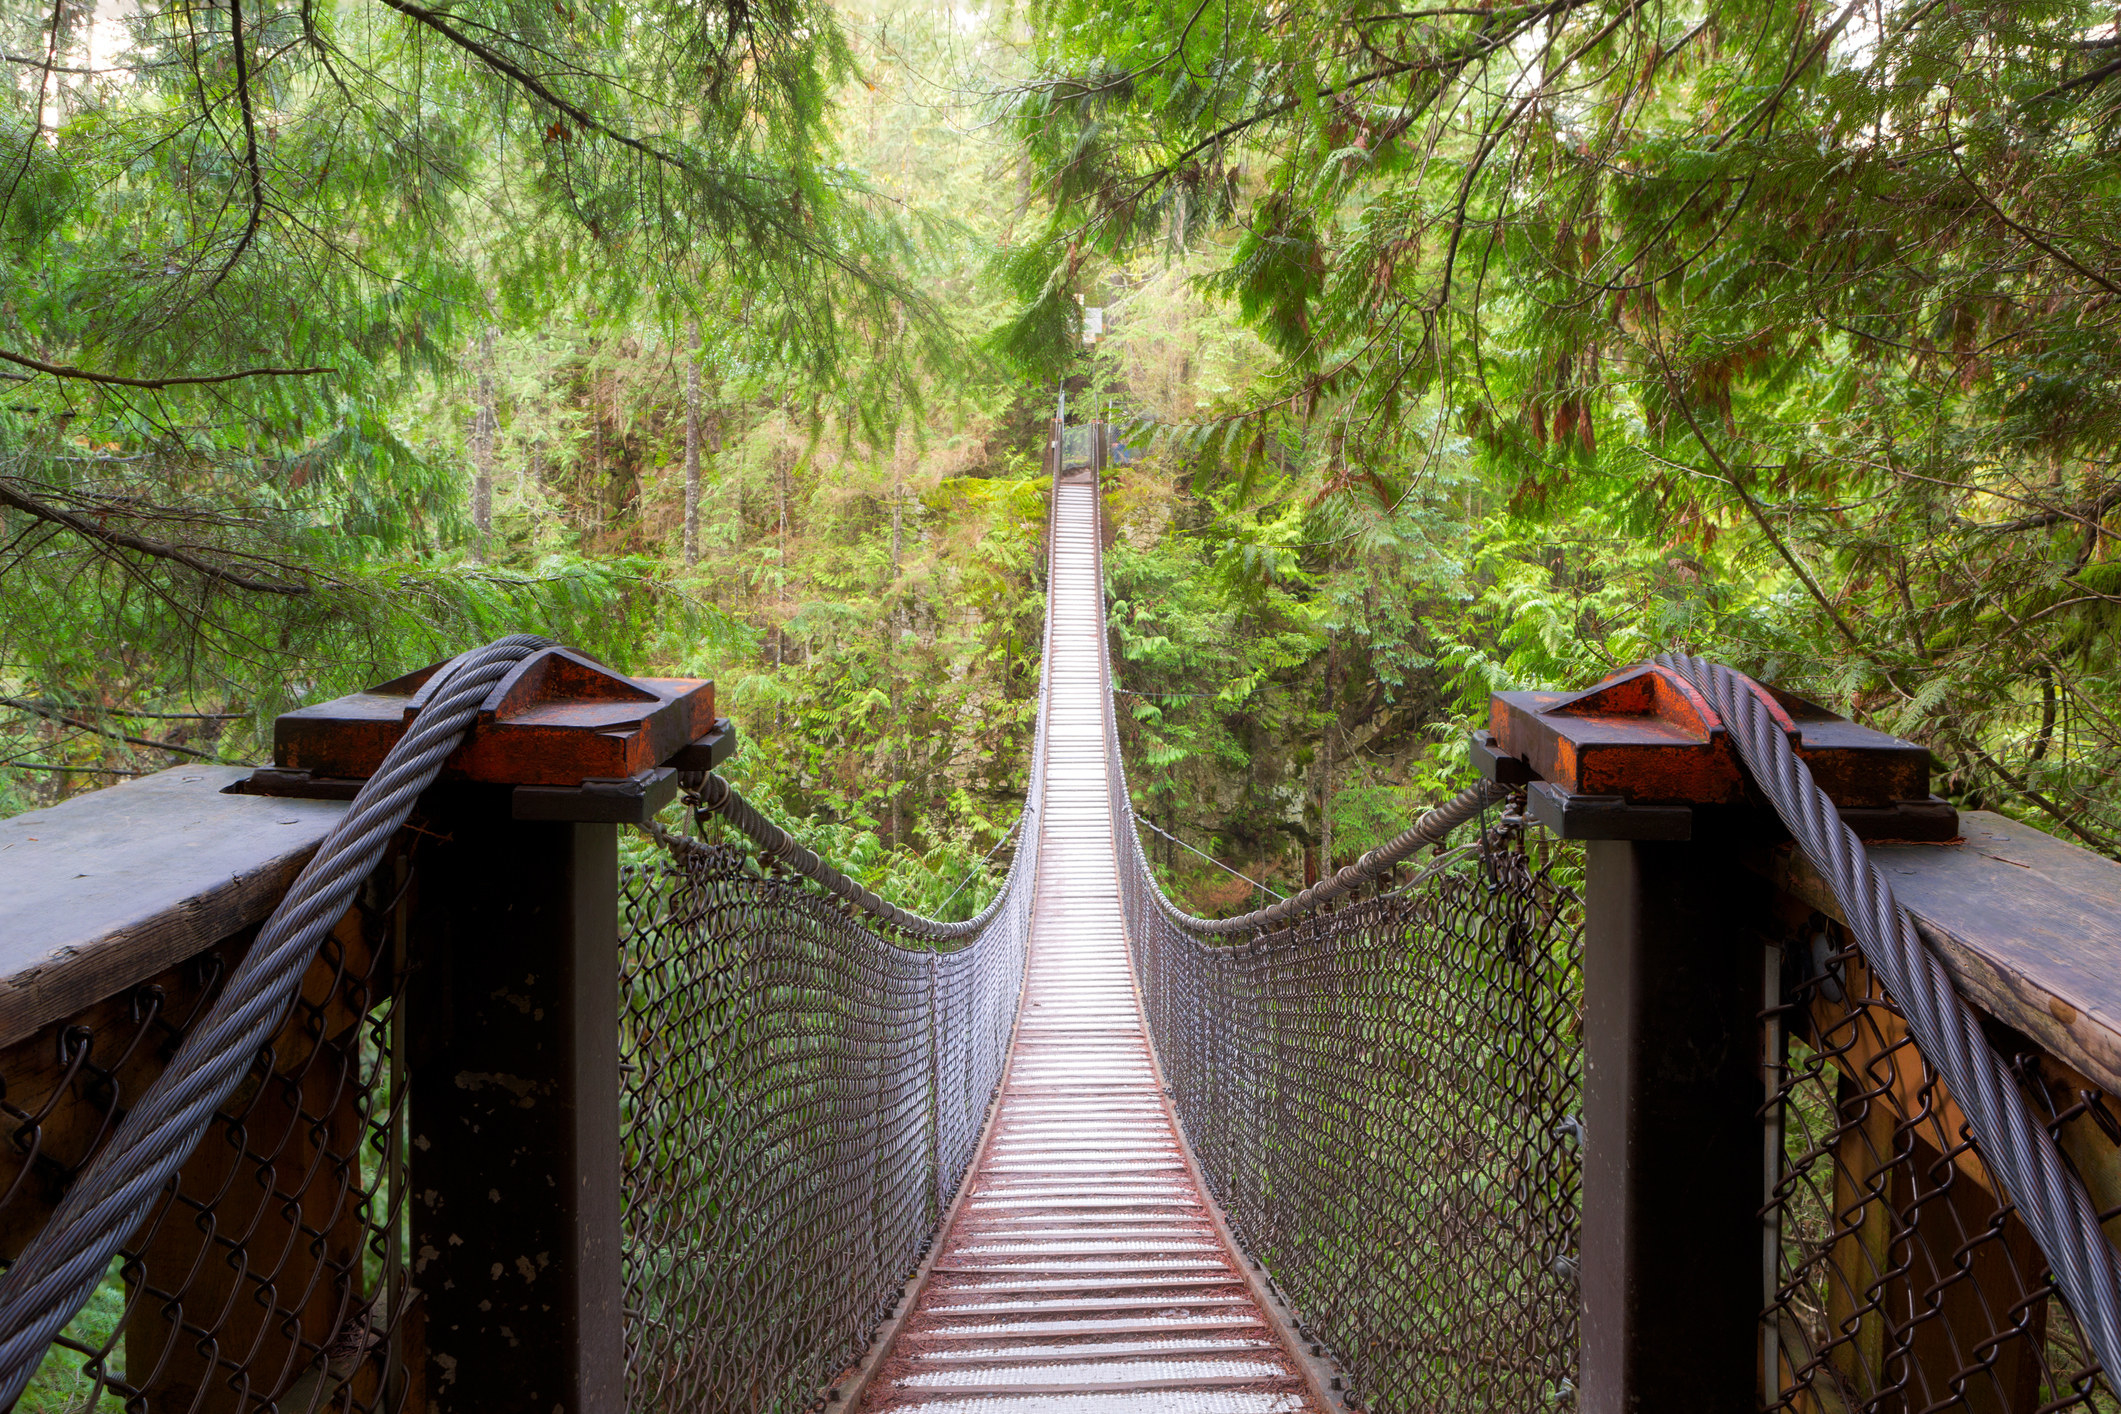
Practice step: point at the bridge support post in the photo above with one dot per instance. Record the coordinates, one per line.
(514, 1113)
(511, 1015)
(1680, 968)
(1671, 1280)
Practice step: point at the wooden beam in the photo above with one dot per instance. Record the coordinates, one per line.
(2029, 925)
(115, 886)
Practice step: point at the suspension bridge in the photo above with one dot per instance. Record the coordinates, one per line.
(1083, 1257)
(1692, 1058)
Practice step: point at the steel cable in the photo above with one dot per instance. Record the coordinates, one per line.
(718, 797)
(64, 1263)
(2010, 1137)
(1432, 828)
(766, 1235)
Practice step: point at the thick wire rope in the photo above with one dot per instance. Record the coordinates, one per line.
(2011, 1138)
(718, 797)
(1433, 827)
(67, 1259)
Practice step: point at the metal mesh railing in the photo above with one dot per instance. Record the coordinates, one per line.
(270, 1273)
(1384, 1097)
(806, 1076)
(1906, 1280)
(802, 1098)
(227, 1191)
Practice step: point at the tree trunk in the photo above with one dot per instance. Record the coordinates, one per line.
(780, 632)
(1325, 758)
(894, 627)
(735, 483)
(692, 447)
(482, 429)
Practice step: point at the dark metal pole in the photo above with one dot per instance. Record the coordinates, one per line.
(511, 1012)
(1672, 1183)
(515, 1122)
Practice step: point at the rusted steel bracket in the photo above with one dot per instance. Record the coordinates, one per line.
(576, 740)
(1630, 759)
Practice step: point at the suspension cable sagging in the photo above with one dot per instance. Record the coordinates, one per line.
(840, 1056)
(1379, 1077)
(718, 797)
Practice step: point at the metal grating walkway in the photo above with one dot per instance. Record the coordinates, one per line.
(1083, 1270)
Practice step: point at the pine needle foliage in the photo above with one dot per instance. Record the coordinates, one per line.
(239, 238)
(1779, 330)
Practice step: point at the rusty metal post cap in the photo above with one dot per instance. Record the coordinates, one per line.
(1629, 758)
(558, 720)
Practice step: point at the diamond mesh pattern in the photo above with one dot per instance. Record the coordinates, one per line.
(270, 1273)
(1380, 1097)
(802, 1098)
(1905, 1281)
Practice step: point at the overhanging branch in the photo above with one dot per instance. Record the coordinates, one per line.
(120, 540)
(61, 370)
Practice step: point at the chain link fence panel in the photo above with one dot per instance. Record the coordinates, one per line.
(802, 1097)
(1906, 1280)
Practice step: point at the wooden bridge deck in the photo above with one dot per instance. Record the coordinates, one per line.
(1084, 1269)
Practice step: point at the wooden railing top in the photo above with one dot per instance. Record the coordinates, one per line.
(2029, 925)
(117, 885)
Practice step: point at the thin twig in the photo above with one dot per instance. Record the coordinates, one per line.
(1730, 478)
(61, 370)
(250, 147)
(37, 710)
(90, 530)
(83, 770)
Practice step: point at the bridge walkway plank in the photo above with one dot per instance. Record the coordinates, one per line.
(1083, 1271)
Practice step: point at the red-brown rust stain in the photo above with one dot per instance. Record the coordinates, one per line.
(556, 719)
(1646, 734)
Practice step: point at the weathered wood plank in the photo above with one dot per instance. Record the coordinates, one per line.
(117, 885)
(2028, 924)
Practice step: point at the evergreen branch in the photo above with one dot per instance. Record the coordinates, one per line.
(507, 68)
(36, 127)
(119, 540)
(501, 64)
(71, 770)
(1493, 137)
(39, 709)
(2089, 76)
(2052, 251)
(1473, 11)
(250, 147)
(1452, 64)
(30, 61)
(2089, 516)
(61, 370)
(2066, 819)
(1730, 478)
(1082, 90)
(1773, 102)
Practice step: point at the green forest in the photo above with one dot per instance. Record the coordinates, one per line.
(1454, 347)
